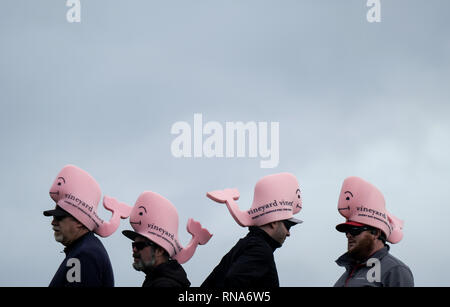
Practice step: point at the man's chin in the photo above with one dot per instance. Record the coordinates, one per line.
(141, 266)
(138, 266)
(358, 253)
(58, 237)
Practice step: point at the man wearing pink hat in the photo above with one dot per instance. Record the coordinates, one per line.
(250, 263)
(156, 249)
(75, 219)
(368, 226)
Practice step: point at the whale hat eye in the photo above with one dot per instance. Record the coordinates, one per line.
(348, 194)
(61, 180)
(141, 213)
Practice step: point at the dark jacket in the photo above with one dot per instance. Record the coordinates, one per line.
(249, 264)
(170, 274)
(392, 272)
(94, 267)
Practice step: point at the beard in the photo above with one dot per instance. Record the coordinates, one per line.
(139, 265)
(143, 266)
(361, 251)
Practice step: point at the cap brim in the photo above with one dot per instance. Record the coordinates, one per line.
(343, 227)
(58, 212)
(295, 221)
(130, 234)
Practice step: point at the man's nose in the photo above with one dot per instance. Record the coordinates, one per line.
(54, 222)
(348, 235)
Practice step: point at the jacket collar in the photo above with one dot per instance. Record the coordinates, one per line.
(77, 242)
(258, 231)
(346, 261)
(169, 270)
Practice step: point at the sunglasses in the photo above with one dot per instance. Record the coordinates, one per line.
(59, 218)
(287, 224)
(141, 245)
(355, 230)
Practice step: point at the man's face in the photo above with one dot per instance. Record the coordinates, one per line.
(280, 232)
(360, 245)
(66, 229)
(142, 254)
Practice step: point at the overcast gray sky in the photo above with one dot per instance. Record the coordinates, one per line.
(352, 98)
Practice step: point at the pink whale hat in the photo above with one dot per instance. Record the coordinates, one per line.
(277, 197)
(77, 193)
(361, 203)
(156, 218)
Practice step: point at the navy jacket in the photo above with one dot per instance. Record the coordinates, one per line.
(86, 264)
(249, 264)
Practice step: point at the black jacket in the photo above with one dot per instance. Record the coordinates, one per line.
(170, 274)
(88, 259)
(249, 264)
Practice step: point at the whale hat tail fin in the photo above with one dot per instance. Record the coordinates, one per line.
(397, 229)
(119, 211)
(229, 197)
(200, 236)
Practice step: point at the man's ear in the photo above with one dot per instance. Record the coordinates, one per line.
(159, 251)
(376, 232)
(379, 234)
(275, 225)
(77, 222)
(81, 226)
